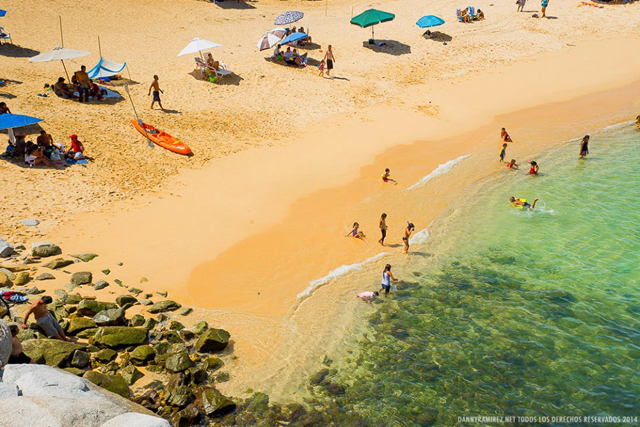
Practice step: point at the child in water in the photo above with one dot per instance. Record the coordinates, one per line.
(638, 122)
(512, 165)
(503, 152)
(534, 168)
(518, 202)
(355, 232)
(584, 146)
(368, 296)
(505, 136)
(386, 176)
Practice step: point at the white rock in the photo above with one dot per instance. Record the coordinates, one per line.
(30, 222)
(135, 419)
(40, 380)
(8, 390)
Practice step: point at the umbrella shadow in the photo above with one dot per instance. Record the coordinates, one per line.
(228, 80)
(390, 47)
(15, 51)
(309, 46)
(233, 4)
(7, 95)
(284, 64)
(437, 36)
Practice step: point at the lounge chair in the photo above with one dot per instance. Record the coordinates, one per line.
(200, 65)
(472, 13)
(5, 35)
(461, 17)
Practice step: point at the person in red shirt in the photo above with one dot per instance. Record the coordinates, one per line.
(76, 151)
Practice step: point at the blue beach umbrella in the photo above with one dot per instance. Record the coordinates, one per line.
(10, 121)
(2, 13)
(288, 17)
(428, 21)
(293, 37)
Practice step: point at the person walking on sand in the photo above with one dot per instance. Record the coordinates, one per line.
(545, 3)
(505, 135)
(407, 235)
(383, 228)
(386, 177)
(584, 146)
(329, 59)
(156, 92)
(387, 277)
(45, 319)
(521, 5)
(503, 152)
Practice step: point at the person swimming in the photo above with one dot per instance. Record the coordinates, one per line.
(534, 168)
(407, 234)
(522, 202)
(355, 232)
(584, 146)
(386, 176)
(512, 165)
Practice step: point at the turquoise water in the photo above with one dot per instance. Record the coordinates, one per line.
(525, 314)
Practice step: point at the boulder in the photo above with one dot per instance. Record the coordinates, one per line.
(178, 362)
(142, 354)
(125, 299)
(85, 257)
(175, 325)
(114, 383)
(187, 417)
(89, 307)
(131, 374)
(5, 281)
(58, 263)
(186, 311)
(212, 340)
(44, 249)
(134, 419)
(22, 278)
(106, 355)
(38, 380)
(87, 333)
(119, 336)
(77, 324)
(26, 334)
(30, 222)
(150, 323)
(213, 363)
(137, 320)
(110, 317)
(100, 284)
(5, 343)
(45, 276)
(215, 403)
(200, 327)
(50, 351)
(80, 359)
(73, 299)
(180, 396)
(5, 249)
(81, 278)
(164, 306)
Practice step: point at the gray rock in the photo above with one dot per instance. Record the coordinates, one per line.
(44, 249)
(5, 343)
(88, 307)
(81, 278)
(186, 311)
(164, 306)
(110, 317)
(8, 390)
(58, 263)
(85, 257)
(46, 276)
(34, 291)
(101, 284)
(132, 419)
(80, 359)
(145, 302)
(39, 380)
(30, 222)
(5, 249)
(212, 340)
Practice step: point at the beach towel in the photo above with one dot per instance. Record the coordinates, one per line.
(16, 297)
(77, 162)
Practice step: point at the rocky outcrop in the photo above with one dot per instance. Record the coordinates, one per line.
(49, 351)
(44, 249)
(110, 317)
(89, 307)
(164, 306)
(212, 340)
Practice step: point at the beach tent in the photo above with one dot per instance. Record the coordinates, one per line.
(11, 121)
(198, 45)
(106, 68)
(293, 37)
(271, 38)
(288, 17)
(59, 54)
(372, 17)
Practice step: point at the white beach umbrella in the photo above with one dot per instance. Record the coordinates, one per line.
(59, 54)
(198, 45)
(271, 38)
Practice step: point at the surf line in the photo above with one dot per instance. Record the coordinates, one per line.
(440, 170)
(333, 274)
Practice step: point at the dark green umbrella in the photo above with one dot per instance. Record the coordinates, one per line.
(371, 17)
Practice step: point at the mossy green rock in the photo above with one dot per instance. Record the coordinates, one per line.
(110, 317)
(113, 383)
(91, 307)
(175, 325)
(77, 324)
(150, 323)
(200, 327)
(81, 278)
(22, 278)
(73, 299)
(180, 396)
(178, 362)
(5, 281)
(137, 320)
(164, 306)
(213, 340)
(49, 351)
(106, 355)
(215, 403)
(87, 333)
(131, 374)
(213, 363)
(46, 276)
(80, 359)
(86, 257)
(58, 263)
(142, 354)
(125, 299)
(119, 336)
(187, 417)
(76, 371)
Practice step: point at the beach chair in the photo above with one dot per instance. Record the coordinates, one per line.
(200, 65)
(472, 13)
(4, 36)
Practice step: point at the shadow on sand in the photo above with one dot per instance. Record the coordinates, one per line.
(234, 4)
(15, 51)
(390, 47)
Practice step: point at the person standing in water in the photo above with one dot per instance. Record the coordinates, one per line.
(534, 168)
(383, 228)
(505, 136)
(407, 235)
(584, 147)
(156, 92)
(387, 277)
(519, 202)
(503, 152)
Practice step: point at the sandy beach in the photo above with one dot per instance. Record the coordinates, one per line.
(285, 161)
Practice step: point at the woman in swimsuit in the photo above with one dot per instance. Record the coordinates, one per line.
(584, 146)
(534, 168)
(355, 232)
(407, 234)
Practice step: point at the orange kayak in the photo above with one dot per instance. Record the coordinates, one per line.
(162, 139)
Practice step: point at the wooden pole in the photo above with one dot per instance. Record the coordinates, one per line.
(99, 47)
(61, 36)
(326, 7)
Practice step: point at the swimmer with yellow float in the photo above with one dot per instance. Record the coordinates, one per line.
(522, 203)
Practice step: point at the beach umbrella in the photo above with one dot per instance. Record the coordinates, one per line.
(198, 45)
(2, 13)
(372, 17)
(10, 121)
(428, 21)
(271, 38)
(288, 17)
(293, 37)
(59, 54)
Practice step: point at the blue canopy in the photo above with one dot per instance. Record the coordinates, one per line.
(429, 21)
(293, 37)
(2, 13)
(10, 121)
(106, 68)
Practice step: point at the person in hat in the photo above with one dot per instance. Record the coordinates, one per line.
(76, 151)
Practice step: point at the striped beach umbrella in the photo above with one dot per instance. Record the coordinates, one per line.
(288, 18)
(271, 38)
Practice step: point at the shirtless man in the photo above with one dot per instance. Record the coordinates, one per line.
(156, 92)
(84, 84)
(329, 60)
(45, 319)
(17, 356)
(62, 90)
(44, 139)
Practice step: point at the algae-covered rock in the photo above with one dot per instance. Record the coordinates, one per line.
(89, 307)
(187, 417)
(131, 374)
(110, 317)
(45, 276)
(123, 300)
(164, 306)
(142, 354)
(213, 363)
(44, 249)
(105, 355)
(186, 311)
(213, 340)
(81, 278)
(180, 396)
(73, 299)
(58, 263)
(87, 333)
(80, 359)
(5, 281)
(77, 324)
(150, 323)
(200, 327)
(22, 278)
(100, 284)
(175, 325)
(49, 351)
(215, 403)
(119, 336)
(178, 362)
(85, 257)
(113, 383)
(137, 320)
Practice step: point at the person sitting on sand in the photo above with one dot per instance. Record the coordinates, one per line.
(407, 235)
(34, 156)
(4, 109)
(306, 39)
(512, 165)
(386, 176)
(387, 277)
(76, 151)
(584, 146)
(276, 52)
(300, 60)
(464, 14)
(505, 136)
(288, 56)
(534, 168)
(19, 147)
(519, 202)
(17, 356)
(355, 232)
(368, 297)
(45, 319)
(95, 91)
(44, 139)
(62, 90)
(480, 15)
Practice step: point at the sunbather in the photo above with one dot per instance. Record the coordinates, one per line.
(212, 64)
(62, 90)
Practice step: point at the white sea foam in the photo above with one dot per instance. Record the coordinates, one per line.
(618, 125)
(334, 274)
(440, 170)
(420, 237)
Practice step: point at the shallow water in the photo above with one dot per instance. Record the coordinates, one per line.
(521, 313)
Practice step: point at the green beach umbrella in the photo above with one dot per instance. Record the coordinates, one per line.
(371, 17)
